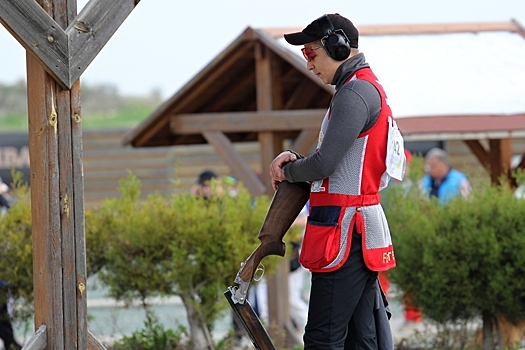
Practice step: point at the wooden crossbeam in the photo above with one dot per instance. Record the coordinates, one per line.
(281, 120)
(480, 152)
(38, 341)
(225, 149)
(65, 53)
(306, 141)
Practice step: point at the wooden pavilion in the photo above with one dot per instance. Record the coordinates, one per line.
(257, 90)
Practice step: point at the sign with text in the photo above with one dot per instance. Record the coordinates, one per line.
(14, 154)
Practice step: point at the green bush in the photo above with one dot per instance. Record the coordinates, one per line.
(153, 337)
(178, 245)
(164, 245)
(16, 255)
(461, 260)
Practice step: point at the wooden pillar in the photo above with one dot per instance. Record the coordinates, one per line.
(497, 159)
(269, 97)
(58, 51)
(500, 158)
(57, 209)
(59, 262)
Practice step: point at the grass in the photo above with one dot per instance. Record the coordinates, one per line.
(13, 122)
(128, 117)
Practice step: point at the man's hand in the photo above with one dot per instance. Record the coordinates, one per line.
(276, 167)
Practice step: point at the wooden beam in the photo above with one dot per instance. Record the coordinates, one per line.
(64, 53)
(263, 78)
(306, 141)
(93, 343)
(410, 29)
(55, 139)
(38, 341)
(242, 170)
(302, 94)
(45, 193)
(92, 29)
(500, 158)
(76, 210)
(241, 88)
(480, 152)
(260, 121)
(39, 34)
(189, 92)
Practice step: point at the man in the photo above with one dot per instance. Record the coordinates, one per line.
(202, 187)
(4, 197)
(441, 180)
(347, 240)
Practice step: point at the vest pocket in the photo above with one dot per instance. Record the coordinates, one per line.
(321, 239)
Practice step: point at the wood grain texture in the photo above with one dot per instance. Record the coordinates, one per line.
(259, 121)
(39, 34)
(93, 343)
(251, 323)
(64, 52)
(91, 30)
(38, 341)
(225, 149)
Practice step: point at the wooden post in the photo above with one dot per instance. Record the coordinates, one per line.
(269, 97)
(500, 158)
(59, 263)
(60, 45)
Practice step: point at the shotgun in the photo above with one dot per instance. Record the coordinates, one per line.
(287, 203)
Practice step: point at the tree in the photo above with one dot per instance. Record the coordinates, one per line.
(464, 259)
(180, 245)
(16, 255)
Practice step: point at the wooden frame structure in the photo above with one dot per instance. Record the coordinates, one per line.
(60, 45)
(256, 90)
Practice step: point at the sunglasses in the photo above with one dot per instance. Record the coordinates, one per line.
(309, 52)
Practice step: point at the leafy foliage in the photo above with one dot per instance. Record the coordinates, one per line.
(16, 255)
(152, 337)
(181, 244)
(463, 259)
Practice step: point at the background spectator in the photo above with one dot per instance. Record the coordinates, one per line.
(441, 180)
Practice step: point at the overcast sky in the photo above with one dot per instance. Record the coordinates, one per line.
(164, 43)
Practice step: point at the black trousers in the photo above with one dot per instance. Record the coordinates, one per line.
(6, 330)
(341, 310)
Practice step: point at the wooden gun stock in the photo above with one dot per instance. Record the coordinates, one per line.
(287, 203)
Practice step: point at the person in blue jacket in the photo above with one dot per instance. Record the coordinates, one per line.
(441, 180)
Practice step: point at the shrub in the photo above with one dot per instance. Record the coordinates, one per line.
(181, 244)
(461, 260)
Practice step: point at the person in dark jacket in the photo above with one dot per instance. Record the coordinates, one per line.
(6, 328)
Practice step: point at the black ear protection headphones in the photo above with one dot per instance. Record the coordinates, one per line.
(335, 42)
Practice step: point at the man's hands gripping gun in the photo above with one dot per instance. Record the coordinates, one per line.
(287, 203)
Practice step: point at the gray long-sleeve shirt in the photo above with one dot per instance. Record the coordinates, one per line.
(354, 108)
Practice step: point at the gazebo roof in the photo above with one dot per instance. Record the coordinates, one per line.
(444, 81)
(226, 88)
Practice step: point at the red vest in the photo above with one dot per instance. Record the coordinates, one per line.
(349, 197)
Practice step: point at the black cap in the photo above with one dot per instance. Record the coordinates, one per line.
(206, 176)
(314, 31)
